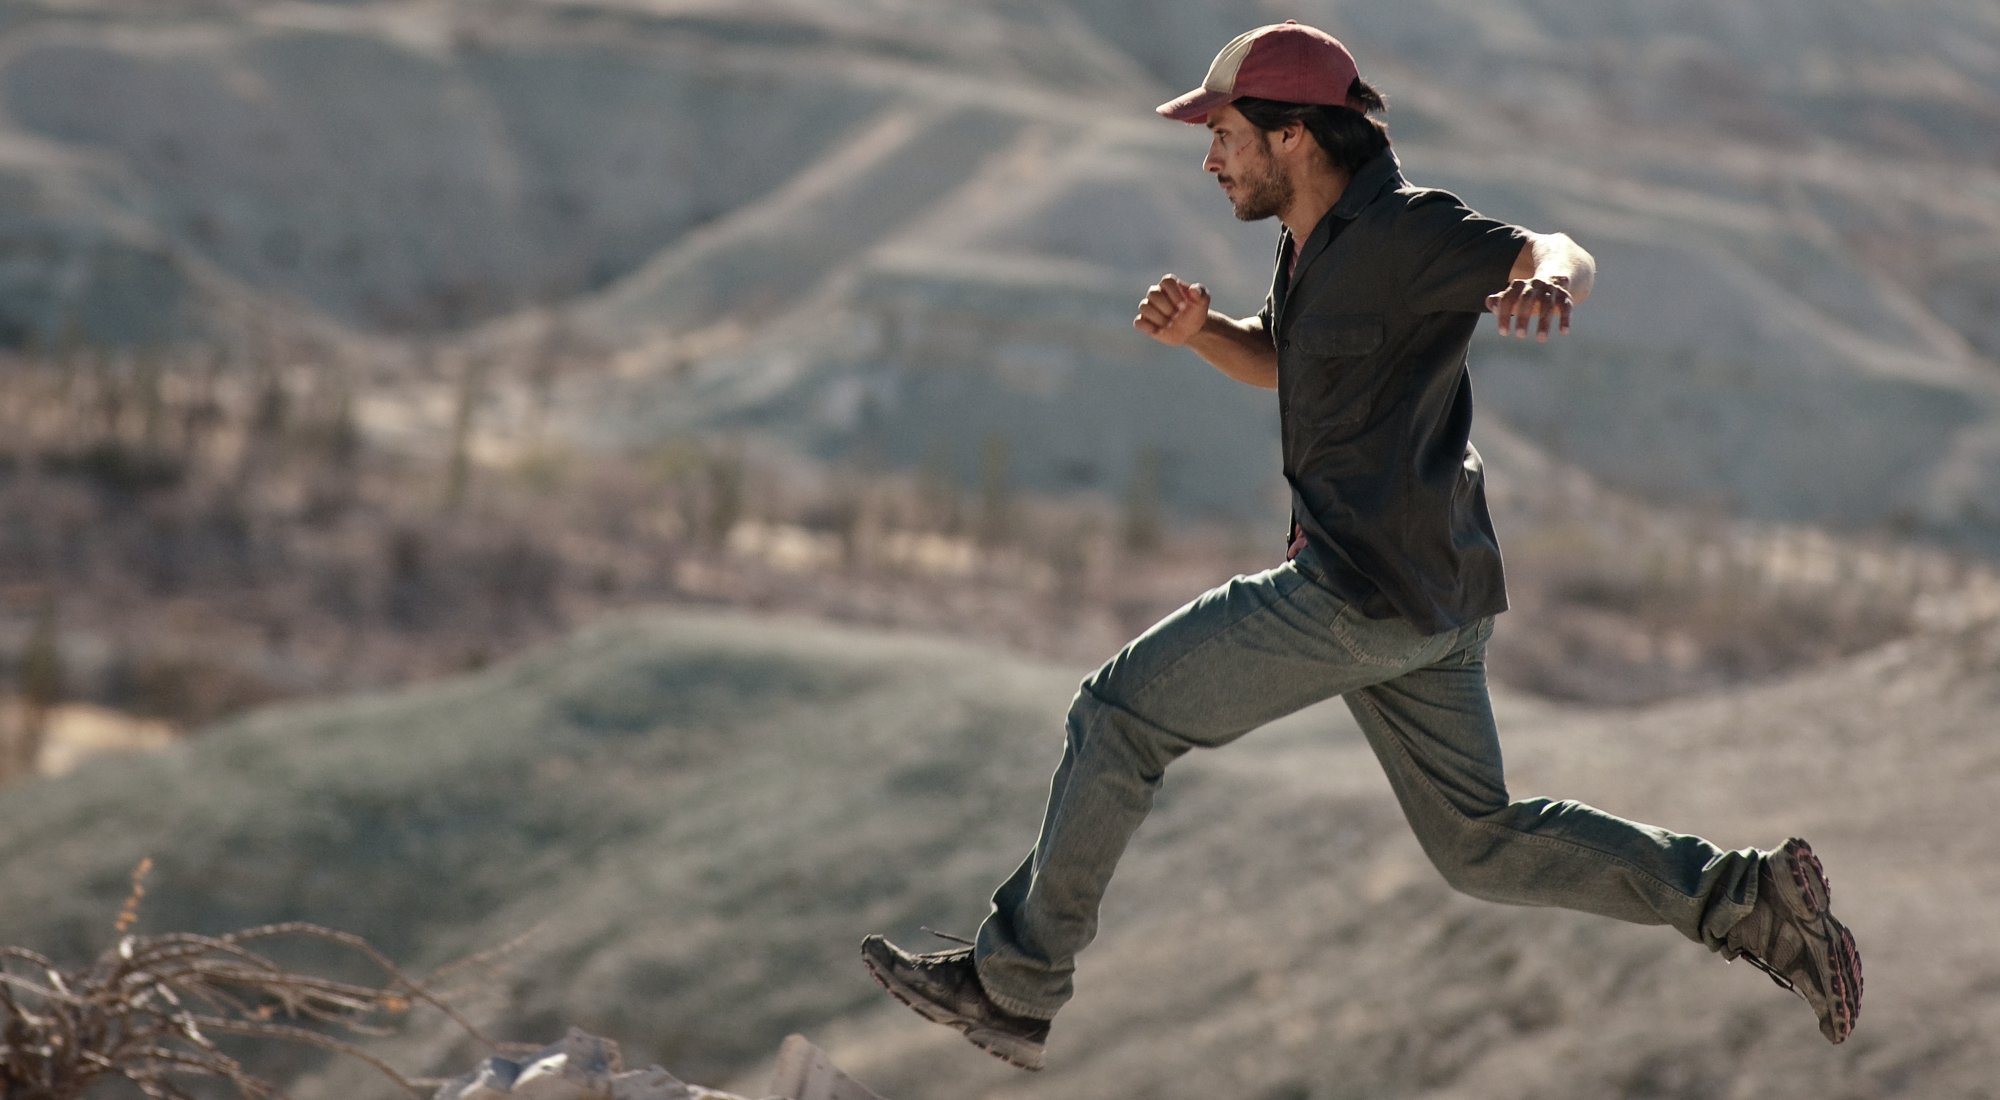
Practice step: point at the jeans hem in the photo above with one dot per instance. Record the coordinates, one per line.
(1014, 1006)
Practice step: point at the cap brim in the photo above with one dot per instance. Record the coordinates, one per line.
(1195, 106)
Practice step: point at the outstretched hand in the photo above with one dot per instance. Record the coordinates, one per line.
(1172, 311)
(1533, 305)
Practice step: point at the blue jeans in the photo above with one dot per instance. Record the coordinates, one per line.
(1259, 648)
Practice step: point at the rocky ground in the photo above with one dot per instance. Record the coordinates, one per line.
(361, 345)
(698, 815)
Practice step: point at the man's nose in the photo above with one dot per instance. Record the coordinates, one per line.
(1212, 162)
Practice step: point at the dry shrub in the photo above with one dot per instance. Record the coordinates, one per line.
(149, 1011)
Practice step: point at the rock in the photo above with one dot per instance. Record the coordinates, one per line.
(581, 1067)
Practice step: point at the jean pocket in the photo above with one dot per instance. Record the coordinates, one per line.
(1383, 643)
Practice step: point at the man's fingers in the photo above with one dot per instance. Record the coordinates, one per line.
(1173, 310)
(1553, 307)
(1179, 293)
(1534, 311)
(1505, 305)
(1179, 298)
(1164, 298)
(1156, 313)
(1183, 294)
(1532, 306)
(1554, 304)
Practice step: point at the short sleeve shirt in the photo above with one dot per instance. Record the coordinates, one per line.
(1371, 317)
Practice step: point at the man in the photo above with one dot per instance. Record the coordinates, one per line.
(1390, 586)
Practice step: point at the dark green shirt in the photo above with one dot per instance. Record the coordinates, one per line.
(1371, 327)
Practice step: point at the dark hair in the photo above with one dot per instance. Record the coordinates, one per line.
(1350, 137)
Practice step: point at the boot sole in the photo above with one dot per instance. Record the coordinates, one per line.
(1812, 905)
(1010, 1049)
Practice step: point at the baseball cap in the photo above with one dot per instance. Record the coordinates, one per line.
(1289, 62)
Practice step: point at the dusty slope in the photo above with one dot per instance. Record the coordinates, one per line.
(1308, 954)
(902, 229)
(704, 812)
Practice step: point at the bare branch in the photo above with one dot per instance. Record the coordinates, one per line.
(145, 1010)
(262, 1030)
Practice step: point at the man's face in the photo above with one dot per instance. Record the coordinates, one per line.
(1240, 156)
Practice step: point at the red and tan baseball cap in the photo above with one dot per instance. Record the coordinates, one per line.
(1289, 62)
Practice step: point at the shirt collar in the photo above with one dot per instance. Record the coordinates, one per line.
(1381, 173)
(1369, 181)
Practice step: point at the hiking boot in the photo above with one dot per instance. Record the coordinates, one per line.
(1791, 935)
(944, 988)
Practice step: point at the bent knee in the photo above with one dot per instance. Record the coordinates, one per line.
(1100, 726)
(1464, 849)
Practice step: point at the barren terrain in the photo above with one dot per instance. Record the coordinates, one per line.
(650, 473)
(699, 814)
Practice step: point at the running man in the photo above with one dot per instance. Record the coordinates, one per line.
(1390, 586)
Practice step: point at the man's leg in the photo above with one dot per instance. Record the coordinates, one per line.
(1433, 730)
(1434, 733)
(1244, 654)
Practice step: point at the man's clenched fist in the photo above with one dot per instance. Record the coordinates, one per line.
(1172, 311)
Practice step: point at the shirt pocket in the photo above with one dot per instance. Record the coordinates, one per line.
(1341, 356)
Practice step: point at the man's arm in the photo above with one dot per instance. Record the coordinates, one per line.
(1177, 313)
(1551, 277)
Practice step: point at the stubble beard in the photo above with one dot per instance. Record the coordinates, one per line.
(1262, 196)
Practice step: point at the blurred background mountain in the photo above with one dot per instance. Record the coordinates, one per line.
(903, 227)
(350, 343)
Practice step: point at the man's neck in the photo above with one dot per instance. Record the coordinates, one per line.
(1312, 196)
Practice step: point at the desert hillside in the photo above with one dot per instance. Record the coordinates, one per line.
(647, 476)
(897, 231)
(699, 815)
